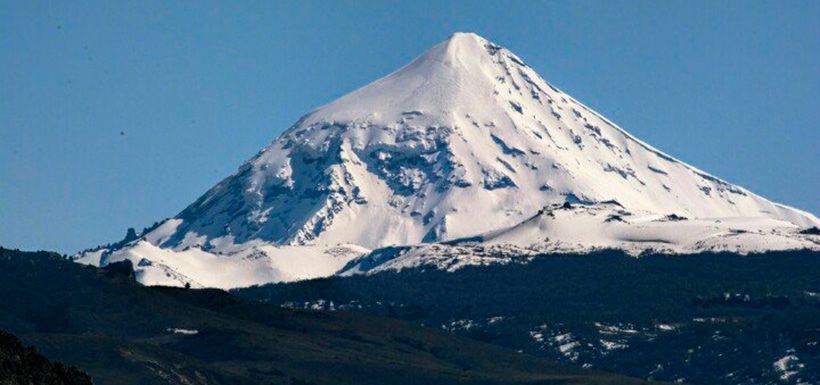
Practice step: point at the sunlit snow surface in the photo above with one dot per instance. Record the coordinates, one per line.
(466, 141)
(583, 228)
(251, 266)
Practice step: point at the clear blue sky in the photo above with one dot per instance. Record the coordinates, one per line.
(732, 87)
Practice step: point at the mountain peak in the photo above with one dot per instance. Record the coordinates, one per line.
(463, 140)
(466, 36)
(463, 49)
(458, 72)
(461, 42)
(466, 142)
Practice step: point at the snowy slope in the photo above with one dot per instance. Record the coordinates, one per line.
(569, 228)
(246, 267)
(587, 227)
(464, 140)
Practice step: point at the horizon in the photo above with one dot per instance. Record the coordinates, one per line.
(100, 136)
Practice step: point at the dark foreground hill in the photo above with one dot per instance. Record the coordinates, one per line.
(704, 319)
(122, 333)
(20, 365)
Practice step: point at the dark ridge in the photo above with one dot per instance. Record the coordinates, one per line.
(20, 365)
(700, 317)
(811, 231)
(122, 333)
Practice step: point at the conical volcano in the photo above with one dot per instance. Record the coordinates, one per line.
(465, 140)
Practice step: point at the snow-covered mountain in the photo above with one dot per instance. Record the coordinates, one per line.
(464, 141)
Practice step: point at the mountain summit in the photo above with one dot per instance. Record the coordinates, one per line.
(464, 141)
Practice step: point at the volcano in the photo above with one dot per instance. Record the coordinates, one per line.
(465, 144)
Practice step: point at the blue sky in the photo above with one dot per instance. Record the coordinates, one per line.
(116, 114)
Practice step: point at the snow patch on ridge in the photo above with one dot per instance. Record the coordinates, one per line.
(252, 266)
